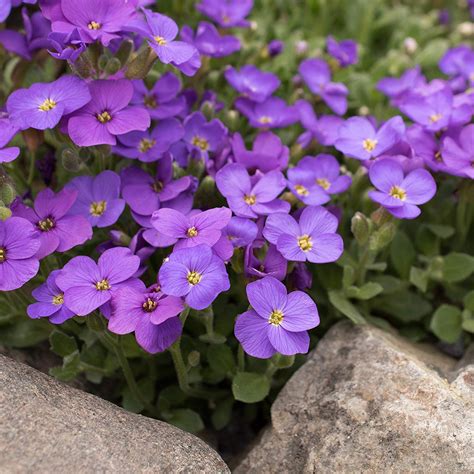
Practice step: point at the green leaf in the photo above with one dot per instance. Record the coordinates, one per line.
(402, 254)
(441, 231)
(404, 305)
(25, 333)
(282, 361)
(61, 343)
(249, 387)
(221, 359)
(222, 415)
(214, 338)
(186, 419)
(340, 302)
(348, 276)
(457, 267)
(419, 278)
(446, 323)
(147, 389)
(70, 368)
(469, 301)
(468, 320)
(365, 292)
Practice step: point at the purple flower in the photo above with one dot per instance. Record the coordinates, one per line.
(313, 238)
(107, 115)
(459, 154)
(437, 110)
(275, 47)
(272, 113)
(98, 198)
(398, 87)
(313, 180)
(323, 130)
(301, 278)
(162, 101)
(317, 76)
(203, 136)
(209, 42)
(7, 132)
(150, 146)
(102, 21)
(240, 231)
(252, 83)
(226, 13)
(345, 51)
(359, 139)
(457, 61)
(274, 264)
(88, 285)
(58, 232)
(9, 154)
(150, 314)
(400, 194)
(277, 321)
(268, 152)
(251, 200)
(19, 243)
(144, 193)
(44, 104)
(195, 273)
(66, 46)
(161, 31)
(200, 228)
(50, 302)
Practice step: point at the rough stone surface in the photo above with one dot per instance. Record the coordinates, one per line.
(368, 401)
(49, 427)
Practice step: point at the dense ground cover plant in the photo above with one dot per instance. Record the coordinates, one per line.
(186, 210)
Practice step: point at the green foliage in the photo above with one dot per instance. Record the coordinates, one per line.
(250, 387)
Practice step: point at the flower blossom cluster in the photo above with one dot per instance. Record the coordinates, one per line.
(276, 215)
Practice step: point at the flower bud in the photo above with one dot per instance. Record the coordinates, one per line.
(70, 160)
(102, 62)
(113, 66)
(140, 66)
(194, 357)
(360, 227)
(410, 45)
(383, 236)
(119, 238)
(207, 108)
(7, 193)
(5, 213)
(124, 51)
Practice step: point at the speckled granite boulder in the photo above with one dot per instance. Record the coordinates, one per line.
(49, 427)
(367, 401)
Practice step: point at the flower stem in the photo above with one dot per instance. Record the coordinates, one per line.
(31, 171)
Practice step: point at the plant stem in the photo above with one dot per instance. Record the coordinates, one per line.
(31, 171)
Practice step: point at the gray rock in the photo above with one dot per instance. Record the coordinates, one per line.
(368, 401)
(47, 427)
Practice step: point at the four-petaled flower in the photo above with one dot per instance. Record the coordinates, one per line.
(277, 322)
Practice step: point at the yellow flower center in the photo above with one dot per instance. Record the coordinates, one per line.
(149, 305)
(276, 317)
(265, 119)
(93, 25)
(438, 156)
(301, 190)
(46, 224)
(104, 117)
(3, 254)
(145, 144)
(160, 40)
(398, 193)
(103, 285)
(192, 232)
(201, 143)
(98, 208)
(305, 243)
(369, 144)
(435, 118)
(150, 101)
(194, 278)
(250, 199)
(324, 183)
(58, 299)
(47, 105)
